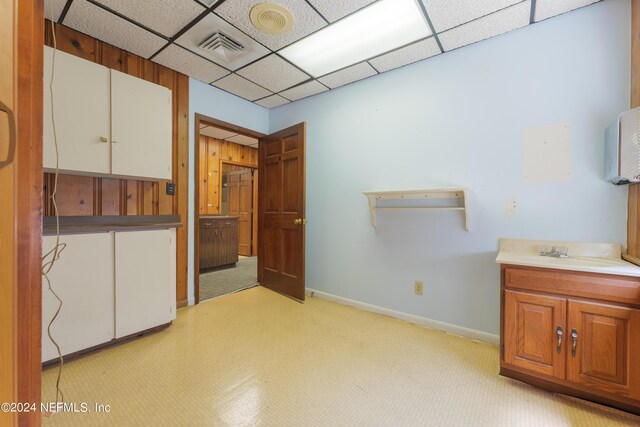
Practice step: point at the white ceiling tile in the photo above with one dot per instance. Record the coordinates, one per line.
(243, 140)
(102, 25)
(184, 61)
(446, 14)
(306, 21)
(406, 55)
(334, 10)
(167, 17)
(304, 90)
(53, 9)
(208, 2)
(242, 87)
(272, 101)
(497, 23)
(273, 73)
(215, 132)
(209, 25)
(355, 72)
(548, 8)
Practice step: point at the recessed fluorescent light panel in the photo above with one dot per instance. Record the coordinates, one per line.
(376, 29)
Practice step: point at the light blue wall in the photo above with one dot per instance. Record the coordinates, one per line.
(212, 102)
(457, 119)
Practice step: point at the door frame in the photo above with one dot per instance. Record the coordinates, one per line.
(198, 119)
(254, 198)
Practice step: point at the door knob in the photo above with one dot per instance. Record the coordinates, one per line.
(103, 139)
(297, 221)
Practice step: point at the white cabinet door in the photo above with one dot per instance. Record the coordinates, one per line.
(83, 278)
(141, 127)
(82, 114)
(144, 276)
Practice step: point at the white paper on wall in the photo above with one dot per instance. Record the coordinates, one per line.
(546, 153)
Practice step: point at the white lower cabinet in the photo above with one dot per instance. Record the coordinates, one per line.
(112, 284)
(83, 279)
(144, 280)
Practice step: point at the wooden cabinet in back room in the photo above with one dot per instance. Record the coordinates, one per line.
(218, 242)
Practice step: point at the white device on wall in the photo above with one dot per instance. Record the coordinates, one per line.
(622, 149)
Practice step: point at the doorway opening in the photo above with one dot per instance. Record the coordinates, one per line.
(226, 220)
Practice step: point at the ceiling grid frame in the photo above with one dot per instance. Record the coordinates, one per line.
(276, 97)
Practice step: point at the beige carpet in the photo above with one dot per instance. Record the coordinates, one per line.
(222, 282)
(257, 358)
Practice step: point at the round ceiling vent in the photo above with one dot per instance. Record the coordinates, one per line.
(271, 18)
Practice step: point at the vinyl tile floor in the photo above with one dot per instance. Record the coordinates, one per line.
(257, 358)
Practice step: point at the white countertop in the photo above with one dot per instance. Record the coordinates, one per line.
(603, 258)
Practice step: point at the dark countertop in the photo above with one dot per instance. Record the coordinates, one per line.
(102, 224)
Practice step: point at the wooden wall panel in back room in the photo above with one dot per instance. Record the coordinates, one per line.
(212, 152)
(81, 195)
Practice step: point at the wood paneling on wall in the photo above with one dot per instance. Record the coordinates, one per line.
(81, 195)
(633, 211)
(211, 152)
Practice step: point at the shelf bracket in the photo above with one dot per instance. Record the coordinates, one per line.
(372, 209)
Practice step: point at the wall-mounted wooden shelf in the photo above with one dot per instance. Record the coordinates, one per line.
(419, 195)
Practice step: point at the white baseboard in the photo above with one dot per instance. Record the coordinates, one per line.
(411, 318)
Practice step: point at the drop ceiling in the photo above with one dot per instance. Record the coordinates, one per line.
(172, 32)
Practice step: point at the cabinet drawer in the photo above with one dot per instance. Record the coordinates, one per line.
(588, 285)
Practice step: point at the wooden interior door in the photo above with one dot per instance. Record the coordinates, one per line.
(607, 348)
(240, 186)
(281, 208)
(8, 280)
(531, 325)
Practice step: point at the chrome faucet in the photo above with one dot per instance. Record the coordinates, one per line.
(559, 252)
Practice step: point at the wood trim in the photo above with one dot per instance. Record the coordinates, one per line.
(29, 180)
(225, 125)
(196, 209)
(633, 214)
(198, 118)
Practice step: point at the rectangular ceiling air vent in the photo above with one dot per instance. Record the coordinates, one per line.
(222, 46)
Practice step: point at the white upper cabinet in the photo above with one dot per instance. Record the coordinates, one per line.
(82, 115)
(107, 122)
(142, 127)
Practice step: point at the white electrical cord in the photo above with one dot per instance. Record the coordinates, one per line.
(51, 257)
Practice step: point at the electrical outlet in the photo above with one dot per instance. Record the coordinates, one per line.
(418, 287)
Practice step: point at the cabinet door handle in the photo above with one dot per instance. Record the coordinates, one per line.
(227, 223)
(574, 342)
(559, 334)
(12, 135)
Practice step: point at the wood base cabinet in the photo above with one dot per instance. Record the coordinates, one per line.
(573, 333)
(218, 242)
